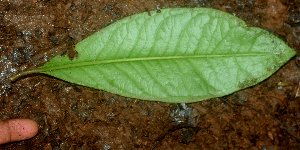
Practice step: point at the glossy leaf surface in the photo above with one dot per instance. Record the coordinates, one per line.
(177, 55)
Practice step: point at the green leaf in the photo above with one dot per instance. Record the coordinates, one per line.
(177, 55)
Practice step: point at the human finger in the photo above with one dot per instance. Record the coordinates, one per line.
(17, 130)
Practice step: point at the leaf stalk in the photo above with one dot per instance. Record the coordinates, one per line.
(23, 73)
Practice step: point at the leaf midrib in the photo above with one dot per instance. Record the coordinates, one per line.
(90, 63)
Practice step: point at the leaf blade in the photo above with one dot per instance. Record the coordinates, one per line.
(178, 55)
